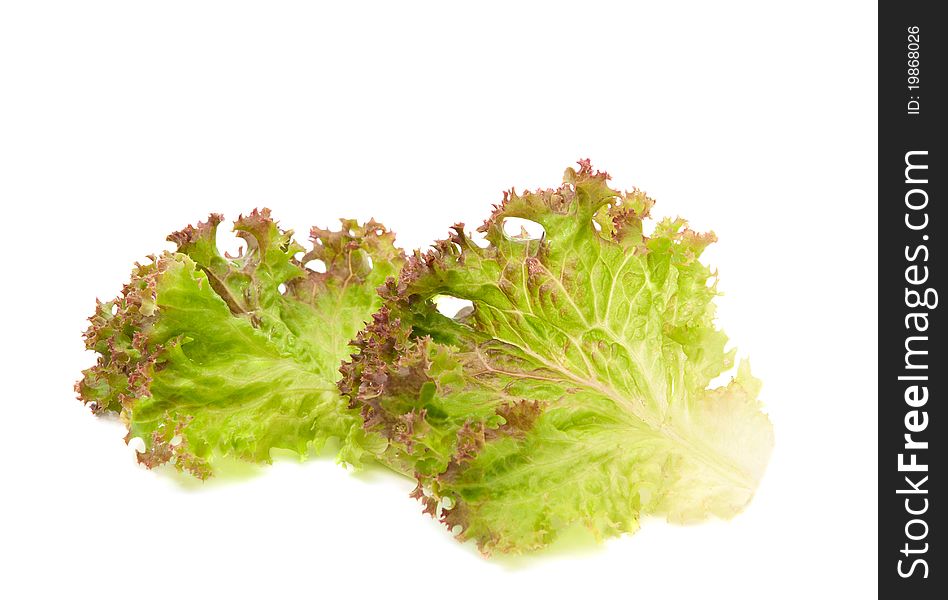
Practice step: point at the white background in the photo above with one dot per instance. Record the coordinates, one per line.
(121, 122)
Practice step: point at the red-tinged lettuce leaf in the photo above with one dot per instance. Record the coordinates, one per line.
(576, 390)
(208, 356)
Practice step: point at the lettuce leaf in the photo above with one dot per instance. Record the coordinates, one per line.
(576, 389)
(208, 356)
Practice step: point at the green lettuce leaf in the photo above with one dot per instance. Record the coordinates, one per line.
(575, 391)
(208, 356)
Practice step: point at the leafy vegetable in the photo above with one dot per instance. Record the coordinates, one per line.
(576, 390)
(573, 391)
(207, 355)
